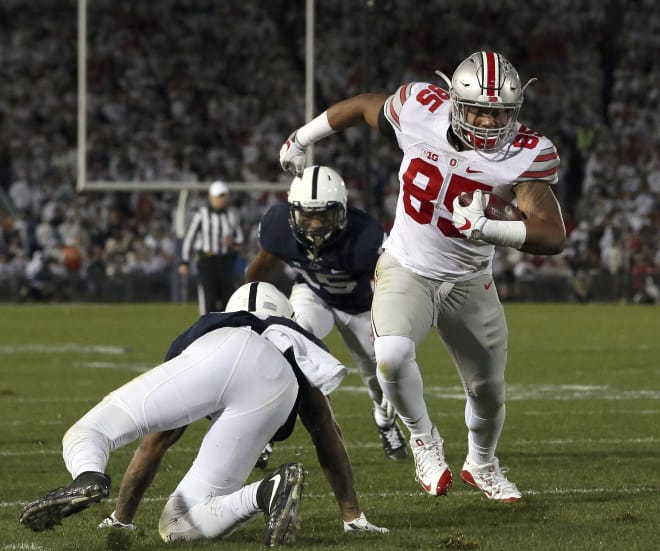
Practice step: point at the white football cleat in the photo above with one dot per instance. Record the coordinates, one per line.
(491, 480)
(431, 470)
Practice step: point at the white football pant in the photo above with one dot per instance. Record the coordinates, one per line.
(232, 375)
(470, 321)
(313, 314)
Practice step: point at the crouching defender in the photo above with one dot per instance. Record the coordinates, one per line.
(251, 374)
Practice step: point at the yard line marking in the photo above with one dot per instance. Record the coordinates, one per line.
(37, 348)
(138, 368)
(50, 399)
(598, 412)
(559, 392)
(517, 392)
(376, 445)
(16, 423)
(452, 492)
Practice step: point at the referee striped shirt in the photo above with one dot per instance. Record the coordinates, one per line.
(207, 230)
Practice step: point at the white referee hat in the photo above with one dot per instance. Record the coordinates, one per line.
(218, 188)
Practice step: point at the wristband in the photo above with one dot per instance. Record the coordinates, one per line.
(505, 234)
(313, 131)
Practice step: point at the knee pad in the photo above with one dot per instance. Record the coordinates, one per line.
(487, 397)
(393, 354)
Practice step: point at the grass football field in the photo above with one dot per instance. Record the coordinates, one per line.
(582, 437)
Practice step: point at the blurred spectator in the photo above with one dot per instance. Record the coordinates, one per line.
(182, 91)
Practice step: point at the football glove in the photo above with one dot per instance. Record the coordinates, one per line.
(361, 526)
(111, 522)
(470, 220)
(292, 156)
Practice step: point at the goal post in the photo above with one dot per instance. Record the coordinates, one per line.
(82, 184)
(182, 187)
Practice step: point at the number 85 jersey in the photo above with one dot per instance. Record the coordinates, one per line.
(433, 172)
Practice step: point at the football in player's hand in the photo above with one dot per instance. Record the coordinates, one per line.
(496, 208)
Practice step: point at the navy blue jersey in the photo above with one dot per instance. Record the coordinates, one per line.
(342, 274)
(217, 320)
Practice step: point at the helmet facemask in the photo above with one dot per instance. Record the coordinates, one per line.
(317, 227)
(317, 208)
(479, 137)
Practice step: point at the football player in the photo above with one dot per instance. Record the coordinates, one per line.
(251, 374)
(333, 250)
(436, 269)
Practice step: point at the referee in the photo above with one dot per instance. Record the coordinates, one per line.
(214, 233)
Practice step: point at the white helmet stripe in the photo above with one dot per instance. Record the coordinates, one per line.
(491, 73)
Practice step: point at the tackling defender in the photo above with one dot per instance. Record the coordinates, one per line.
(333, 249)
(436, 270)
(251, 374)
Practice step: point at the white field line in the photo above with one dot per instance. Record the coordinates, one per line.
(115, 349)
(452, 492)
(514, 392)
(138, 368)
(372, 445)
(348, 416)
(37, 348)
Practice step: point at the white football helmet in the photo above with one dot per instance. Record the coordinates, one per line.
(317, 207)
(486, 80)
(261, 298)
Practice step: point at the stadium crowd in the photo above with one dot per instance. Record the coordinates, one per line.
(197, 90)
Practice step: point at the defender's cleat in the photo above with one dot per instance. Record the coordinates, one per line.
(262, 462)
(491, 480)
(431, 470)
(279, 497)
(49, 510)
(393, 442)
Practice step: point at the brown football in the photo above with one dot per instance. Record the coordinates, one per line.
(497, 208)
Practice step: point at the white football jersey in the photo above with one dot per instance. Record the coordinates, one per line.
(433, 173)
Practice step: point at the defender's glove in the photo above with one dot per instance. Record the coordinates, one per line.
(470, 220)
(292, 156)
(361, 526)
